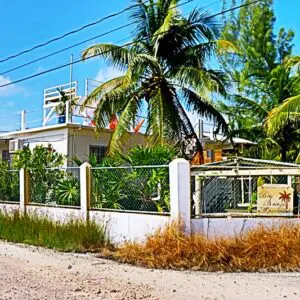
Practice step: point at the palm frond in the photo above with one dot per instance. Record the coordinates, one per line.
(113, 102)
(124, 124)
(293, 62)
(206, 109)
(102, 89)
(168, 22)
(115, 56)
(202, 80)
(280, 116)
(224, 46)
(252, 105)
(205, 27)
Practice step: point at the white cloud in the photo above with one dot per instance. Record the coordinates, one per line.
(9, 90)
(108, 73)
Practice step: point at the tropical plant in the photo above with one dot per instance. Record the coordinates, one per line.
(267, 81)
(67, 191)
(9, 183)
(42, 163)
(119, 184)
(165, 72)
(287, 113)
(60, 109)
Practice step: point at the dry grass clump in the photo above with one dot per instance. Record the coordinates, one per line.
(260, 249)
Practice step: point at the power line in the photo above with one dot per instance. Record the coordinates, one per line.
(85, 41)
(125, 45)
(65, 49)
(72, 32)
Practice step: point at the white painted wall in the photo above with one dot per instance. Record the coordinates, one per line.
(124, 226)
(129, 226)
(57, 138)
(9, 208)
(80, 139)
(60, 214)
(121, 226)
(214, 227)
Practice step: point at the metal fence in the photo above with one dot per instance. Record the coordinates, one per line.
(141, 188)
(55, 186)
(9, 185)
(235, 194)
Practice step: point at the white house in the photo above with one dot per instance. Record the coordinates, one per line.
(68, 127)
(71, 133)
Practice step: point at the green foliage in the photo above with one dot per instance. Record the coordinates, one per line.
(40, 231)
(9, 183)
(67, 191)
(40, 163)
(264, 81)
(164, 73)
(127, 187)
(61, 108)
(140, 155)
(253, 202)
(48, 183)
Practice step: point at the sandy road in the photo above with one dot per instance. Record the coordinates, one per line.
(35, 273)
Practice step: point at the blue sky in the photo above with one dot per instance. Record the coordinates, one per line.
(27, 23)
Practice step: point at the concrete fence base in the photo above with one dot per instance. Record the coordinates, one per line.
(130, 226)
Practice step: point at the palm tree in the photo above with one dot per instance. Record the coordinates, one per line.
(289, 110)
(165, 72)
(273, 122)
(283, 120)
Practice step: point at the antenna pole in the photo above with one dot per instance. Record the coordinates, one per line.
(69, 103)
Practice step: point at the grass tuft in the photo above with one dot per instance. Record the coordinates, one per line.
(260, 249)
(75, 236)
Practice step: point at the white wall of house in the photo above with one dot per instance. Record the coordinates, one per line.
(81, 138)
(68, 139)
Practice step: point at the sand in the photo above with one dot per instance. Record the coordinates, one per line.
(28, 272)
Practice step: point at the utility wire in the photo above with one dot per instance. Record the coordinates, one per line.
(85, 41)
(125, 45)
(65, 49)
(72, 32)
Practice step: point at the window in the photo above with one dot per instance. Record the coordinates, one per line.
(98, 151)
(5, 155)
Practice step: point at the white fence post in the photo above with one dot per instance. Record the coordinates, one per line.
(24, 189)
(290, 181)
(180, 192)
(85, 189)
(198, 196)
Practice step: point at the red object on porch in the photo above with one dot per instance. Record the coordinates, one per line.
(138, 126)
(113, 122)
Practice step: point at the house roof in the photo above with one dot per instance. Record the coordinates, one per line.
(246, 163)
(11, 134)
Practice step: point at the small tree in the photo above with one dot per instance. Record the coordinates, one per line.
(40, 163)
(9, 183)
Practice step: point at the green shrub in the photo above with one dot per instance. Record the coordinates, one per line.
(67, 191)
(9, 183)
(133, 188)
(40, 231)
(41, 163)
